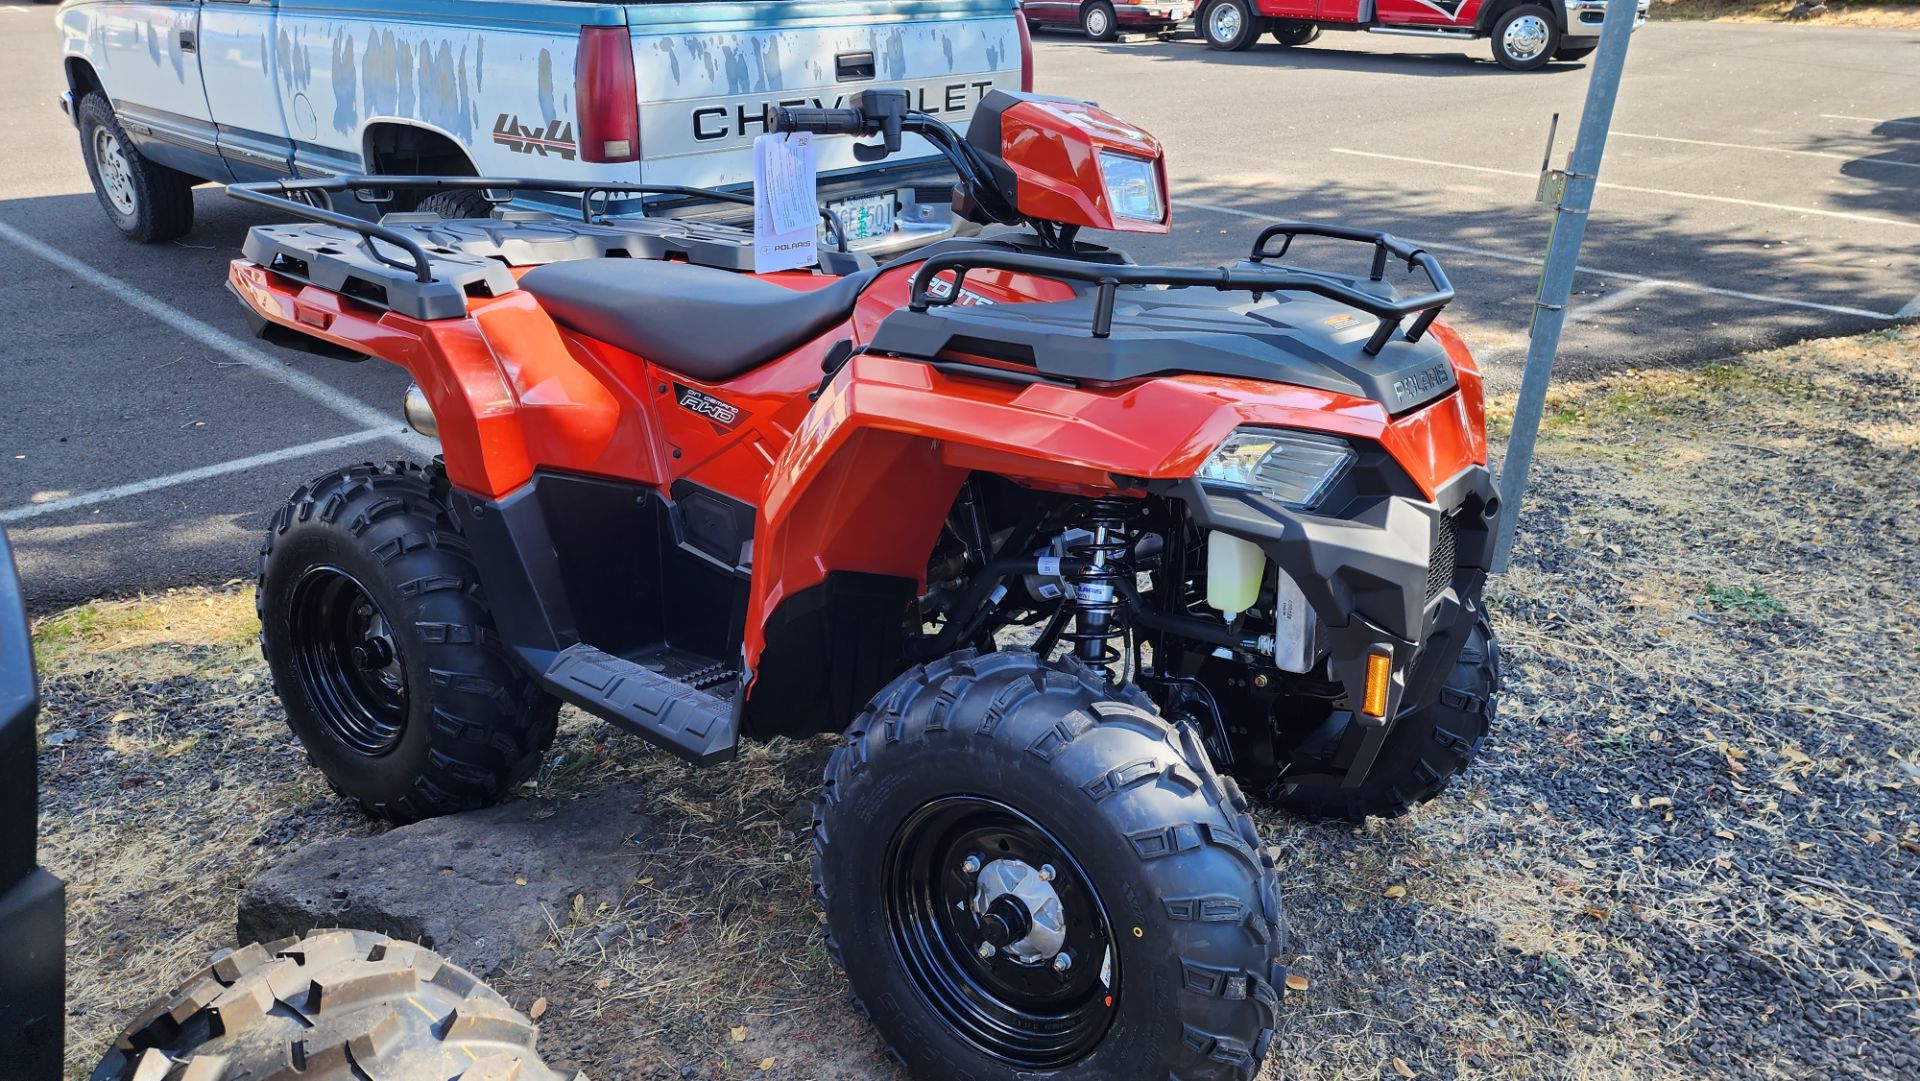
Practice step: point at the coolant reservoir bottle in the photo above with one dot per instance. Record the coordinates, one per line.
(1234, 569)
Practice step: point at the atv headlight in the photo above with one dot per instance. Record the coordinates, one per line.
(1292, 468)
(1133, 187)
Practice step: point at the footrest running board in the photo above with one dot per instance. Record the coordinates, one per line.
(691, 723)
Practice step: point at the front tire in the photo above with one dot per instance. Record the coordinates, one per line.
(1426, 750)
(145, 200)
(1097, 21)
(338, 1003)
(383, 651)
(978, 778)
(1230, 25)
(1525, 38)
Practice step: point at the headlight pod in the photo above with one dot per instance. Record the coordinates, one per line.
(1133, 187)
(1292, 468)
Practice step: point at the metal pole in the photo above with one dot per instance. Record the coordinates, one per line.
(1563, 254)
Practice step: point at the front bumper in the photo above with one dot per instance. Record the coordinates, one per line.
(1151, 14)
(1585, 16)
(1393, 571)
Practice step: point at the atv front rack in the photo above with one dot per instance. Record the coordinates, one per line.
(312, 200)
(1381, 301)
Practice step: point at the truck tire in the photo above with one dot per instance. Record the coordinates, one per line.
(1097, 21)
(1426, 750)
(332, 1005)
(1524, 38)
(1087, 828)
(383, 650)
(147, 201)
(1570, 53)
(1229, 25)
(457, 203)
(1287, 32)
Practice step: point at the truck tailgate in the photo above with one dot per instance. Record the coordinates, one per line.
(705, 73)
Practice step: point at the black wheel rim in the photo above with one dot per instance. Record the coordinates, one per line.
(347, 662)
(1027, 1013)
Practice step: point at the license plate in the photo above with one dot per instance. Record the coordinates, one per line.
(866, 217)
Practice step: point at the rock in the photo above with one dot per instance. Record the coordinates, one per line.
(477, 887)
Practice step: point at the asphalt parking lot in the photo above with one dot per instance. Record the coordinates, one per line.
(1762, 185)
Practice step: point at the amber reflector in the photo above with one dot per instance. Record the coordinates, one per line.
(1379, 678)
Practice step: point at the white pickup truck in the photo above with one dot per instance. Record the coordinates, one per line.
(168, 94)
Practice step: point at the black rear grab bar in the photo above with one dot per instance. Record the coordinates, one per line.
(1108, 278)
(313, 200)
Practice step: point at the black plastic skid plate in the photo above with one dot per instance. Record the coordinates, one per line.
(471, 256)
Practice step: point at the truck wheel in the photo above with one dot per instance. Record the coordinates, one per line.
(457, 203)
(1525, 38)
(145, 200)
(1571, 53)
(383, 650)
(1028, 871)
(1097, 21)
(1425, 751)
(1229, 25)
(334, 1004)
(1295, 33)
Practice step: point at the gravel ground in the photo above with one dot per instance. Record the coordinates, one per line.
(1692, 849)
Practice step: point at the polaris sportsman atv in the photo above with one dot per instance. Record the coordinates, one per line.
(1238, 515)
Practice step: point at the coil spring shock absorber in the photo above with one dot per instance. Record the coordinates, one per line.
(1108, 558)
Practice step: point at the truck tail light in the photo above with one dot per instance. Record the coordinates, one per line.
(1026, 47)
(609, 102)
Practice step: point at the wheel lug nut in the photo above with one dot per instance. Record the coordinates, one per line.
(986, 951)
(1062, 961)
(1046, 872)
(972, 865)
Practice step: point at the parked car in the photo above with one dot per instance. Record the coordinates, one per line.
(1525, 34)
(1103, 20)
(169, 95)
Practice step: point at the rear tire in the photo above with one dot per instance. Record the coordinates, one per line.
(384, 653)
(1426, 750)
(1097, 21)
(1294, 33)
(145, 200)
(1168, 906)
(343, 1004)
(1229, 25)
(1525, 38)
(457, 203)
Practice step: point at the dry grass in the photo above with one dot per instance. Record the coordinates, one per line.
(1838, 13)
(1708, 755)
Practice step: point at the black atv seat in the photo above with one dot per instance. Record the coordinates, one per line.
(706, 323)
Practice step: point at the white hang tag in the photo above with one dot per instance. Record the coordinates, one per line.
(786, 208)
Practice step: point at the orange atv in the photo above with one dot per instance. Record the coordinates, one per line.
(1047, 533)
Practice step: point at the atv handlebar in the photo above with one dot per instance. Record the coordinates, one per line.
(818, 121)
(1252, 279)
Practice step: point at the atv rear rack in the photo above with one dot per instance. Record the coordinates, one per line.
(313, 200)
(1251, 277)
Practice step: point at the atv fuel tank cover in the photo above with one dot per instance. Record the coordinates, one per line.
(1289, 338)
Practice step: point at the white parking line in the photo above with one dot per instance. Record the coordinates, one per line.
(1871, 120)
(1840, 214)
(1625, 275)
(1619, 298)
(221, 342)
(1773, 150)
(171, 480)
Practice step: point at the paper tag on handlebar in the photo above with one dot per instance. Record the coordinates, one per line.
(786, 209)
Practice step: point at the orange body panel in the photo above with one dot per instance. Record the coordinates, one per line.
(860, 480)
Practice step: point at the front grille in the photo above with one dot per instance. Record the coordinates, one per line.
(1440, 564)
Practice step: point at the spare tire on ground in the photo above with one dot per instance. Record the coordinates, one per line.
(333, 1005)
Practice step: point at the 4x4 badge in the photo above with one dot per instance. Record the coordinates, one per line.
(555, 138)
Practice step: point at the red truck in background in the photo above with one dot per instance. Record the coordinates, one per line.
(1525, 34)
